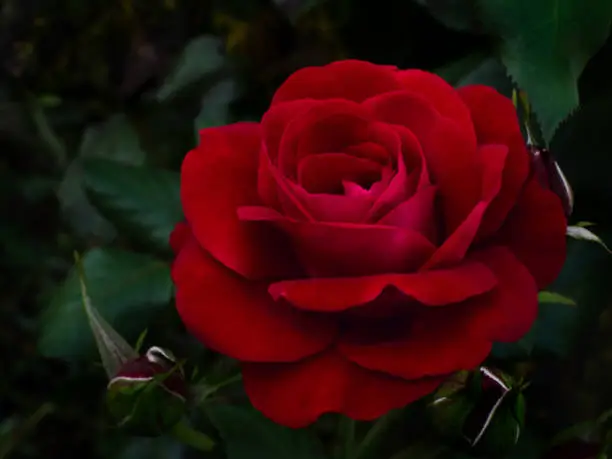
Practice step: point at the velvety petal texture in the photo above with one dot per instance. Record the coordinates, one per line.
(376, 232)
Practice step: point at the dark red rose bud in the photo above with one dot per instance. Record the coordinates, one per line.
(148, 394)
(575, 449)
(483, 410)
(550, 175)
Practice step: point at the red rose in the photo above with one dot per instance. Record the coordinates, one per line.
(375, 232)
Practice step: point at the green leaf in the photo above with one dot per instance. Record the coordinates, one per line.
(489, 72)
(114, 139)
(582, 148)
(127, 289)
(215, 105)
(113, 348)
(552, 297)
(142, 201)
(458, 69)
(247, 434)
(545, 46)
(201, 57)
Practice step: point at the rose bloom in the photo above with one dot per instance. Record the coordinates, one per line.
(377, 231)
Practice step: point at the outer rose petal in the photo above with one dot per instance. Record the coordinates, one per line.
(535, 232)
(345, 249)
(440, 94)
(508, 311)
(296, 394)
(179, 235)
(437, 342)
(349, 79)
(435, 288)
(496, 122)
(238, 318)
(216, 178)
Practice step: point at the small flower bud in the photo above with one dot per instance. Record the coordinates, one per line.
(148, 394)
(480, 410)
(550, 175)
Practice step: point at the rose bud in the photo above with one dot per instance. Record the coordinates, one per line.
(148, 394)
(481, 410)
(550, 175)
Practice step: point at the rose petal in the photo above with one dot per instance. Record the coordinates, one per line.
(217, 177)
(455, 247)
(371, 151)
(277, 118)
(535, 232)
(450, 152)
(433, 288)
(324, 173)
(296, 394)
(440, 94)
(417, 213)
(348, 79)
(510, 309)
(329, 127)
(333, 208)
(494, 115)
(237, 317)
(344, 249)
(407, 178)
(280, 192)
(437, 342)
(179, 235)
(496, 122)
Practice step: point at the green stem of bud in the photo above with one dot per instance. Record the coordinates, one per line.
(187, 435)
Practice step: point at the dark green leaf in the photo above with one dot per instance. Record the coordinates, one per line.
(114, 139)
(215, 105)
(529, 446)
(582, 147)
(545, 46)
(143, 201)
(489, 72)
(127, 289)
(249, 435)
(458, 69)
(200, 58)
(113, 348)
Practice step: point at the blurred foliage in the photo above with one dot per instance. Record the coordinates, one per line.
(100, 101)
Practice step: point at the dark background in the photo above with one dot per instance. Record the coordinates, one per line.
(130, 81)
